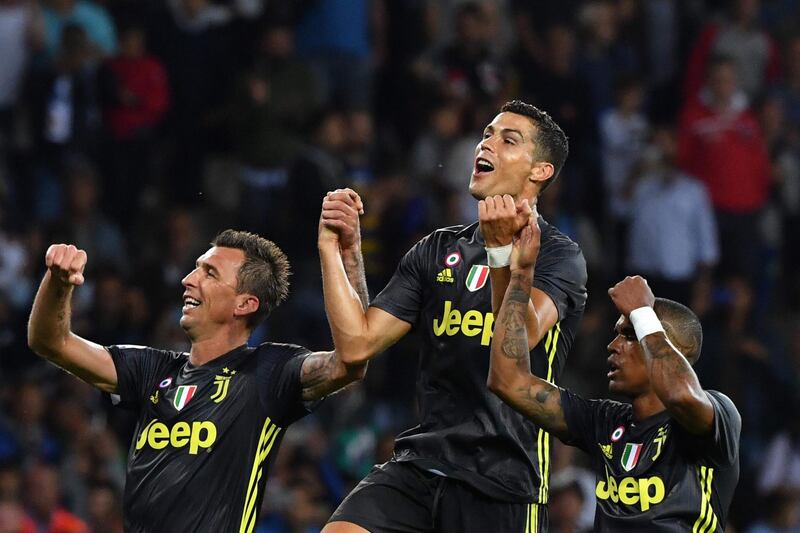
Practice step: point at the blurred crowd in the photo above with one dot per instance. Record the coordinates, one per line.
(138, 129)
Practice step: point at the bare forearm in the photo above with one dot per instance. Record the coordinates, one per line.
(500, 279)
(49, 324)
(509, 373)
(324, 373)
(343, 306)
(676, 384)
(353, 263)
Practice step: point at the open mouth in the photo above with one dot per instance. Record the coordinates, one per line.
(483, 166)
(612, 370)
(190, 303)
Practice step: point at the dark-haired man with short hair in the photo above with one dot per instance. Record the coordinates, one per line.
(473, 464)
(209, 421)
(669, 460)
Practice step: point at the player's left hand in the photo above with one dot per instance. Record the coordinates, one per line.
(340, 211)
(526, 245)
(500, 218)
(631, 293)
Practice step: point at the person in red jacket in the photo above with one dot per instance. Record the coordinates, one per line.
(136, 98)
(738, 35)
(720, 142)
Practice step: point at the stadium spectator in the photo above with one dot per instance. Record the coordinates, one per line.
(42, 497)
(753, 51)
(721, 143)
(92, 18)
(21, 32)
(271, 108)
(677, 263)
(343, 40)
(605, 56)
(136, 100)
(82, 221)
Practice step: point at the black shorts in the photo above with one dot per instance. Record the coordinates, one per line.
(402, 498)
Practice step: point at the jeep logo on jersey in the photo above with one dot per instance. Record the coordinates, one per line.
(477, 277)
(157, 435)
(471, 323)
(631, 491)
(183, 394)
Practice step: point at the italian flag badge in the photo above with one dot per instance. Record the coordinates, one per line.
(477, 277)
(183, 394)
(631, 456)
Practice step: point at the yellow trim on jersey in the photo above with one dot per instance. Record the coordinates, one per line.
(249, 513)
(707, 521)
(535, 519)
(543, 438)
(528, 520)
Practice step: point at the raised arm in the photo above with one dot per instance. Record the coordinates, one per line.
(500, 218)
(510, 367)
(49, 333)
(671, 376)
(359, 333)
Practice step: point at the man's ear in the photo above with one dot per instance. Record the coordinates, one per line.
(542, 171)
(246, 304)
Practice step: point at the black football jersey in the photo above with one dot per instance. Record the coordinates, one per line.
(205, 435)
(442, 288)
(653, 475)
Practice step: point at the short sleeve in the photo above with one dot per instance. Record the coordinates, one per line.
(561, 274)
(137, 369)
(280, 388)
(402, 296)
(727, 429)
(586, 419)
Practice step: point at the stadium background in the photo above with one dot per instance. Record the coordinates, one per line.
(137, 129)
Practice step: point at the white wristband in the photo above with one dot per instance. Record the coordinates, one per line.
(645, 322)
(500, 256)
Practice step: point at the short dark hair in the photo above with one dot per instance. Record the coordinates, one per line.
(551, 141)
(264, 272)
(682, 327)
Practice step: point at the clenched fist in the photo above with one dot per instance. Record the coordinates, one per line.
(339, 218)
(631, 293)
(66, 263)
(501, 218)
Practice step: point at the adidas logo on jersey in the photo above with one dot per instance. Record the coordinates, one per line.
(445, 276)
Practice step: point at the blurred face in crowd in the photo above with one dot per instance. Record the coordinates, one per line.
(747, 10)
(722, 83)
(470, 28)
(131, 43)
(505, 160)
(210, 300)
(561, 46)
(42, 488)
(627, 373)
(792, 59)
(278, 43)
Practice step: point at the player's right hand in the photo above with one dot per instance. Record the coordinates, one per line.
(500, 218)
(526, 244)
(66, 263)
(339, 219)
